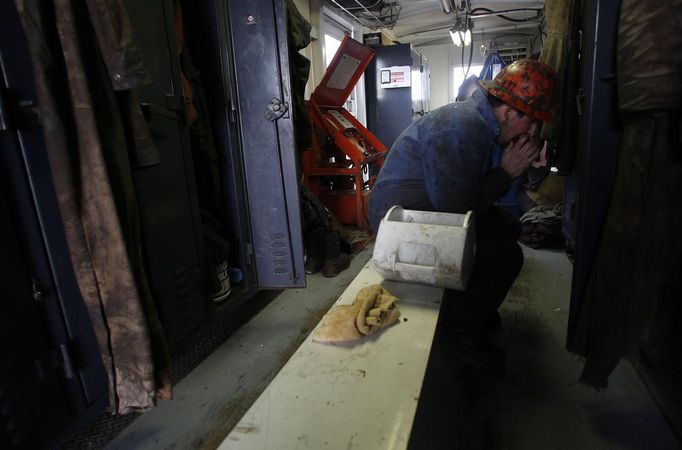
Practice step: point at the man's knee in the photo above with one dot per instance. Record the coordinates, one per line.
(498, 224)
(500, 263)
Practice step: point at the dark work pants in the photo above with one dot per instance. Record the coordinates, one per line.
(497, 263)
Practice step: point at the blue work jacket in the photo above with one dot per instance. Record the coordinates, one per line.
(442, 162)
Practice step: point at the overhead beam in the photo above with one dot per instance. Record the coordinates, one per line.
(444, 30)
(407, 12)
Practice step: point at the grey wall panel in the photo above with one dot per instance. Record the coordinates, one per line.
(389, 110)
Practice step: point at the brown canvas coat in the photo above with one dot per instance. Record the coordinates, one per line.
(85, 62)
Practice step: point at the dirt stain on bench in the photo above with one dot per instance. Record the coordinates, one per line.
(245, 429)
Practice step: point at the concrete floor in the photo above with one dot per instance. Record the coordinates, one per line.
(536, 404)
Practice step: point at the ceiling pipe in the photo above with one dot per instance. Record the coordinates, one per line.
(361, 21)
(444, 31)
(537, 12)
(364, 16)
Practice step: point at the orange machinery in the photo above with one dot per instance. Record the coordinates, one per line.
(344, 159)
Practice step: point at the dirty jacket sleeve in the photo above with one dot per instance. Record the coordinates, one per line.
(460, 178)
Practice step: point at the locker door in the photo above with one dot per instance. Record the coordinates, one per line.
(166, 192)
(587, 194)
(261, 78)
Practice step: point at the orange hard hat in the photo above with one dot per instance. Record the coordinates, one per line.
(527, 85)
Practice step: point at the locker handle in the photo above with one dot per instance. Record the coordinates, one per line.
(275, 109)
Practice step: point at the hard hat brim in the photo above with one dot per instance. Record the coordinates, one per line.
(491, 87)
(487, 84)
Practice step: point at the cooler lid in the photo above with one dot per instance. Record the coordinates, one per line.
(348, 65)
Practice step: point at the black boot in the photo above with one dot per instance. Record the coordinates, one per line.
(335, 261)
(474, 352)
(314, 251)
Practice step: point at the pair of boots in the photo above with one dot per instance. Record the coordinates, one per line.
(476, 349)
(323, 252)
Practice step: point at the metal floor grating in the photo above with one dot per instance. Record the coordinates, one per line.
(106, 427)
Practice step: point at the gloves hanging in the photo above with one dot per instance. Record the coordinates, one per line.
(374, 308)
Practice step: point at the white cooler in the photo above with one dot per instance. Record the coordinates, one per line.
(426, 247)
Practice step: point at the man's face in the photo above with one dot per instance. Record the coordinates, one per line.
(516, 124)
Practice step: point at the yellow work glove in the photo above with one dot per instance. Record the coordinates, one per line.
(374, 308)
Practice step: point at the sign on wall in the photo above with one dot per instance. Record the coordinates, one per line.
(394, 77)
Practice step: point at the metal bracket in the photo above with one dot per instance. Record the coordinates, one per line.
(4, 119)
(58, 357)
(580, 102)
(37, 291)
(275, 109)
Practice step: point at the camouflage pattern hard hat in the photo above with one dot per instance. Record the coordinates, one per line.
(527, 85)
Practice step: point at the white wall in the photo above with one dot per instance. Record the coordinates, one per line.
(441, 59)
(439, 62)
(312, 11)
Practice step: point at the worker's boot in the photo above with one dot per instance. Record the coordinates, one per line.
(335, 261)
(477, 352)
(314, 251)
(223, 281)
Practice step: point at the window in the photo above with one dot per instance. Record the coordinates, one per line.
(417, 93)
(331, 45)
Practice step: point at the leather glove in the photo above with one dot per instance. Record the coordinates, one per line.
(374, 308)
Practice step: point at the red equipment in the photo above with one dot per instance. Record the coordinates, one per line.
(344, 159)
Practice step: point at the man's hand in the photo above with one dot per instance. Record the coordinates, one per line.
(518, 156)
(541, 160)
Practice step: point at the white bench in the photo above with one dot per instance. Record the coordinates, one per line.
(348, 396)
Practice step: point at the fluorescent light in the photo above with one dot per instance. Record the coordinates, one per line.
(460, 38)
